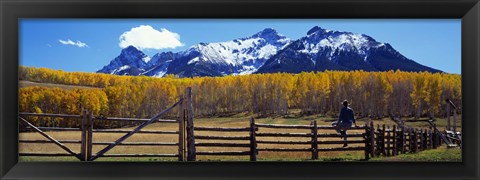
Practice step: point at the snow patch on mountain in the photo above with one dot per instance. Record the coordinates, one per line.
(194, 60)
(146, 59)
(120, 69)
(160, 74)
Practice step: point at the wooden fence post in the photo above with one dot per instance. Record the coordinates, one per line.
(394, 134)
(388, 137)
(181, 131)
(454, 121)
(83, 127)
(425, 139)
(403, 140)
(253, 141)
(435, 137)
(89, 134)
(430, 140)
(378, 140)
(383, 140)
(448, 114)
(372, 139)
(190, 133)
(407, 140)
(422, 140)
(415, 140)
(440, 140)
(314, 140)
(410, 140)
(367, 138)
(420, 146)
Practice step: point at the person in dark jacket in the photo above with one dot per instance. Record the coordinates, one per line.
(345, 121)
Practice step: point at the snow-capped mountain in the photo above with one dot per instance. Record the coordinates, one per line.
(267, 52)
(131, 61)
(324, 49)
(239, 56)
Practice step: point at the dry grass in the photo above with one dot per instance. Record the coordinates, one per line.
(211, 122)
(24, 83)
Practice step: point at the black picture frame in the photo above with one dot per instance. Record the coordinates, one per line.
(13, 10)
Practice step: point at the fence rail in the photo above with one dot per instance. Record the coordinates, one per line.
(50, 115)
(134, 119)
(223, 137)
(284, 126)
(221, 129)
(54, 129)
(127, 131)
(44, 154)
(283, 142)
(222, 145)
(139, 155)
(224, 153)
(284, 134)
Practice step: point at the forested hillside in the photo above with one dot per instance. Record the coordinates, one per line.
(375, 94)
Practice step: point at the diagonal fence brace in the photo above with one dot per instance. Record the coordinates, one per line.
(51, 139)
(123, 138)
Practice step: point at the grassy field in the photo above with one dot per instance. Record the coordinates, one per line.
(22, 84)
(241, 120)
(440, 154)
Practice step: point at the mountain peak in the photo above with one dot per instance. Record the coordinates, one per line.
(316, 29)
(267, 32)
(130, 49)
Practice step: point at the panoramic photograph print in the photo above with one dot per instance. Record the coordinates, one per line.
(321, 90)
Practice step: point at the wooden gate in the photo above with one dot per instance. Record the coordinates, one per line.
(79, 155)
(85, 152)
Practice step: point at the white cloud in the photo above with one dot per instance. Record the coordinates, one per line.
(70, 42)
(146, 37)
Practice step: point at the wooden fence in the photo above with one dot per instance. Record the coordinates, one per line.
(374, 142)
(256, 138)
(380, 141)
(252, 150)
(394, 141)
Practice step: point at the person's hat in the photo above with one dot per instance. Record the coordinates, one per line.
(345, 102)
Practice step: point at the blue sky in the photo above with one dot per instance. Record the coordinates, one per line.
(87, 45)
